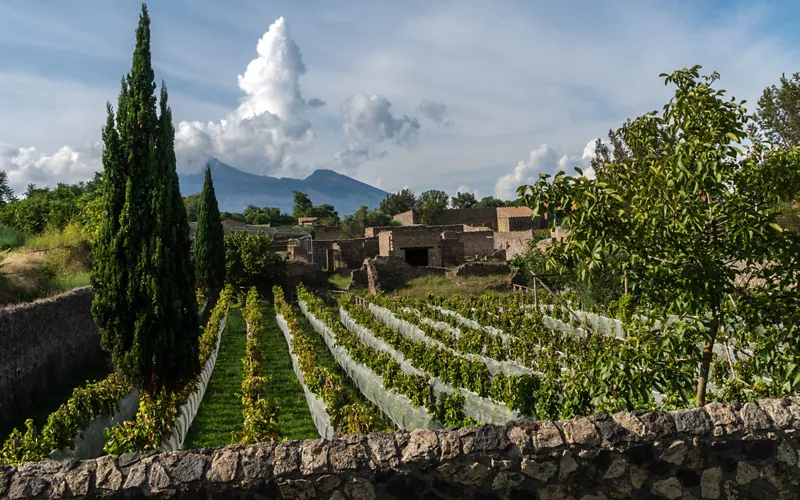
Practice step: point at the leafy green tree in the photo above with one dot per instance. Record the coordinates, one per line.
(463, 200)
(399, 202)
(492, 202)
(6, 193)
(694, 218)
(353, 225)
(430, 204)
(209, 244)
(250, 262)
(778, 112)
(302, 205)
(191, 203)
(261, 215)
(144, 301)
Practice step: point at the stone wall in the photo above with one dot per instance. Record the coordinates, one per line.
(326, 233)
(46, 348)
(486, 217)
(409, 218)
(310, 275)
(452, 250)
(477, 244)
(482, 269)
(515, 242)
(353, 252)
(717, 452)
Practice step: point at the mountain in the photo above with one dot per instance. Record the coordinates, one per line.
(236, 189)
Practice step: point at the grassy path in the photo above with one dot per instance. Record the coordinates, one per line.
(220, 413)
(294, 419)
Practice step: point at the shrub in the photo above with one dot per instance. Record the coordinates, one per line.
(250, 263)
(11, 238)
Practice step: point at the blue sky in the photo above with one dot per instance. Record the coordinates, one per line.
(524, 85)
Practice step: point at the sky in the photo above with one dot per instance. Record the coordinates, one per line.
(477, 96)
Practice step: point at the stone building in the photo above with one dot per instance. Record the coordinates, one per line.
(500, 219)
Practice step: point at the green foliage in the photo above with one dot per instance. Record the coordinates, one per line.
(347, 416)
(259, 412)
(302, 205)
(692, 212)
(463, 200)
(52, 209)
(63, 426)
(492, 202)
(778, 112)
(430, 204)
(353, 225)
(11, 238)
(144, 302)
(209, 244)
(157, 412)
(250, 263)
(415, 388)
(399, 202)
(6, 193)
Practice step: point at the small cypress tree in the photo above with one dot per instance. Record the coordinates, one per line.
(209, 241)
(144, 301)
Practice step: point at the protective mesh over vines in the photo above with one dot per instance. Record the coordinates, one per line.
(318, 410)
(396, 406)
(476, 407)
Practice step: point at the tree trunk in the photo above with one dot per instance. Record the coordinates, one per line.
(705, 363)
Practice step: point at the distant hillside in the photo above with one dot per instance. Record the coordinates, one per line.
(236, 189)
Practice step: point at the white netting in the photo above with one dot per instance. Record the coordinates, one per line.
(481, 409)
(188, 411)
(318, 409)
(508, 368)
(394, 405)
(472, 323)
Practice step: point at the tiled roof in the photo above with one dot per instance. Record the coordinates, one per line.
(514, 212)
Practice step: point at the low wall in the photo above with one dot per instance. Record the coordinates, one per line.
(481, 269)
(46, 347)
(718, 452)
(310, 275)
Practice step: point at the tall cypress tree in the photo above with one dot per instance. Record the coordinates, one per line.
(144, 301)
(209, 242)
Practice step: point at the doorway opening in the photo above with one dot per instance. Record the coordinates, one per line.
(417, 256)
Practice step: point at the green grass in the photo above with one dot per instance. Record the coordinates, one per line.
(339, 281)
(220, 413)
(294, 418)
(444, 285)
(11, 238)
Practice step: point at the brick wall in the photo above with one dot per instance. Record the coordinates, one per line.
(353, 252)
(327, 232)
(407, 218)
(479, 243)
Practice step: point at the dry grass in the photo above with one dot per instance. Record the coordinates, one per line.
(27, 274)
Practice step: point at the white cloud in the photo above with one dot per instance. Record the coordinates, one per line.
(466, 189)
(543, 160)
(367, 121)
(268, 125)
(29, 165)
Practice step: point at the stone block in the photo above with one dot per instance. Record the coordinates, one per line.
(359, 489)
(580, 431)
(711, 483)
(668, 488)
(348, 453)
(422, 446)
(285, 459)
(745, 473)
(546, 436)
(541, 470)
(694, 421)
(777, 411)
(474, 474)
(382, 449)
(314, 456)
(754, 418)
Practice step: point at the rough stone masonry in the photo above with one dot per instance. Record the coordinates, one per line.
(717, 452)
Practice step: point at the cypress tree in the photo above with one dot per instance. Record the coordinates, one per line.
(144, 285)
(209, 241)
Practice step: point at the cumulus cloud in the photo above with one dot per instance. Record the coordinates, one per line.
(466, 189)
(268, 124)
(435, 111)
(368, 121)
(29, 165)
(543, 160)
